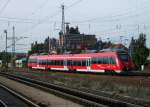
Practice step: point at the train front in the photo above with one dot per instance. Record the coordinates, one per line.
(125, 62)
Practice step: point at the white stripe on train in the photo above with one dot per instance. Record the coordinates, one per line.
(66, 69)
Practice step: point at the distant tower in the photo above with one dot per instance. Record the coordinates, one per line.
(67, 27)
(63, 20)
(13, 42)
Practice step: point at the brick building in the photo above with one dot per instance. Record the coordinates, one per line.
(73, 40)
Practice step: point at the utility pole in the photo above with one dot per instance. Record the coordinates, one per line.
(63, 20)
(5, 31)
(49, 41)
(63, 27)
(138, 29)
(13, 42)
(121, 38)
(13, 46)
(89, 28)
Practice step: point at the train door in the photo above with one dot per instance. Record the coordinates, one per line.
(109, 63)
(88, 63)
(70, 64)
(65, 65)
(37, 63)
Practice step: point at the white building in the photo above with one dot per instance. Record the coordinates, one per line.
(148, 58)
(0, 63)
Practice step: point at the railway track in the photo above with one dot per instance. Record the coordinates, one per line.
(2, 104)
(9, 98)
(132, 73)
(84, 98)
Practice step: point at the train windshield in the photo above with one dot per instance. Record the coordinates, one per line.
(123, 56)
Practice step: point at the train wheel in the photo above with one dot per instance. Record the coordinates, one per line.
(125, 69)
(107, 72)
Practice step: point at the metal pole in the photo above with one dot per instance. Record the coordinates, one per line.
(63, 27)
(5, 31)
(14, 42)
(63, 20)
(13, 46)
(49, 44)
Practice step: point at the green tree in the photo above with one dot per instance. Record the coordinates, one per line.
(140, 51)
(5, 57)
(36, 48)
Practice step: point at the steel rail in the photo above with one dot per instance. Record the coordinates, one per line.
(22, 98)
(2, 104)
(126, 74)
(84, 98)
(81, 97)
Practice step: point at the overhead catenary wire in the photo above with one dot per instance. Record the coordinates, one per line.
(73, 4)
(55, 14)
(37, 23)
(116, 17)
(4, 6)
(40, 7)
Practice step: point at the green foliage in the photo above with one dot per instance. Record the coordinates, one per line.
(36, 48)
(140, 51)
(5, 57)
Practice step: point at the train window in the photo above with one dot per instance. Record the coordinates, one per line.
(32, 60)
(112, 60)
(40, 62)
(69, 62)
(49, 62)
(44, 62)
(124, 57)
(29, 60)
(79, 63)
(105, 60)
(100, 60)
(74, 63)
(52, 62)
(56, 62)
(94, 60)
(83, 63)
(61, 62)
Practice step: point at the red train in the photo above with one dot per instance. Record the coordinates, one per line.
(92, 62)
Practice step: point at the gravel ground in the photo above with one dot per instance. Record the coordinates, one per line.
(138, 87)
(37, 95)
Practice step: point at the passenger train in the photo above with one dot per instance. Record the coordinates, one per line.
(104, 61)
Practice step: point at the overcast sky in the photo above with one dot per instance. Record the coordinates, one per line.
(38, 19)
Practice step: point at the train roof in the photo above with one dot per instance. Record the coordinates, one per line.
(113, 50)
(73, 56)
